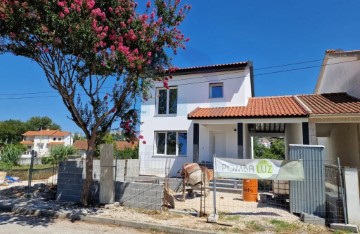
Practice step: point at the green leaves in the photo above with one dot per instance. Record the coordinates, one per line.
(10, 154)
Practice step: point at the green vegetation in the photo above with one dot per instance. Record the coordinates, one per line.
(58, 154)
(276, 150)
(224, 217)
(10, 154)
(254, 226)
(128, 153)
(284, 227)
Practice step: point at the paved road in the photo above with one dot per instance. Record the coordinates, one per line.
(10, 223)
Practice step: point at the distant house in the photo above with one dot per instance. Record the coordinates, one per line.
(42, 141)
(82, 145)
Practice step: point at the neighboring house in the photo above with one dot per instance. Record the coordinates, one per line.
(210, 111)
(171, 139)
(42, 141)
(82, 145)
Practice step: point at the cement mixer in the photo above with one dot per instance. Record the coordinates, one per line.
(195, 176)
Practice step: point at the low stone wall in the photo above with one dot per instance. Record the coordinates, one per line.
(38, 174)
(131, 194)
(27, 161)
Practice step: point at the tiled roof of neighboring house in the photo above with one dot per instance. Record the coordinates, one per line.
(120, 145)
(56, 133)
(56, 143)
(210, 68)
(331, 103)
(332, 51)
(26, 142)
(284, 106)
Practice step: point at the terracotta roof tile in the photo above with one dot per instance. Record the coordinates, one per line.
(285, 106)
(331, 103)
(56, 143)
(120, 145)
(56, 133)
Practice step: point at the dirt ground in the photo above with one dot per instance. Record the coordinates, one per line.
(235, 215)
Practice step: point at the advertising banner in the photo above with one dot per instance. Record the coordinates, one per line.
(266, 169)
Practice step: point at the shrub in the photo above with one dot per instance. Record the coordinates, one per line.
(10, 154)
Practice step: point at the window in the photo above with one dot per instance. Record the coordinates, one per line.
(54, 139)
(216, 90)
(171, 143)
(167, 101)
(59, 139)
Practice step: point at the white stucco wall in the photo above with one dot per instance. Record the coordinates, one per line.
(343, 142)
(341, 75)
(193, 92)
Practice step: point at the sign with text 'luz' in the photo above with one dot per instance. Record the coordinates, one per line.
(265, 169)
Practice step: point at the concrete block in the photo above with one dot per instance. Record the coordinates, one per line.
(107, 190)
(347, 227)
(312, 219)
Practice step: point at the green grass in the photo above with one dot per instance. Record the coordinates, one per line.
(283, 227)
(254, 226)
(224, 217)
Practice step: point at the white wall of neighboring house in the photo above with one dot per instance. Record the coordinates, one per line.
(193, 92)
(341, 74)
(41, 144)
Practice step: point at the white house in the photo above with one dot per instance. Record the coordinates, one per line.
(42, 141)
(170, 138)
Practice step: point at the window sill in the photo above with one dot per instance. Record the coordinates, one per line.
(168, 156)
(165, 115)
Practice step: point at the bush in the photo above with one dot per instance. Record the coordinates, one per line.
(58, 154)
(127, 153)
(10, 154)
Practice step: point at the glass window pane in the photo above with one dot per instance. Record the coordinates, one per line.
(172, 101)
(171, 143)
(162, 101)
(216, 91)
(160, 143)
(182, 143)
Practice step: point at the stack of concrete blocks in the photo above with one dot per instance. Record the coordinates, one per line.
(312, 219)
(70, 180)
(147, 194)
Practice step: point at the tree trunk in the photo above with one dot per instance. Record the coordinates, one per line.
(85, 196)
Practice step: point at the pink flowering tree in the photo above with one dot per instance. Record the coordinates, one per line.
(99, 55)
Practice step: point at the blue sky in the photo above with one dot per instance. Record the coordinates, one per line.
(269, 33)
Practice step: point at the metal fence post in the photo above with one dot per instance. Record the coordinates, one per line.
(33, 154)
(342, 192)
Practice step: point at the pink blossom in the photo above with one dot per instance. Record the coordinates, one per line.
(144, 142)
(61, 4)
(66, 10)
(46, 50)
(61, 15)
(148, 4)
(110, 9)
(141, 137)
(159, 20)
(90, 4)
(149, 54)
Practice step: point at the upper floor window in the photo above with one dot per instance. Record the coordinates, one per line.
(216, 90)
(167, 101)
(54, 139)
(59, 139)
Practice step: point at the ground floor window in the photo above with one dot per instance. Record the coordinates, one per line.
(171, 143)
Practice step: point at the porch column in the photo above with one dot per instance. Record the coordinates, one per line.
(196, 143)
(240, 140)
(305, 133)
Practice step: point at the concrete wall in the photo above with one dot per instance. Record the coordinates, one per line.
(343, 142)
(342, 77)
(136, 195)
(236, 89)
(293, 135)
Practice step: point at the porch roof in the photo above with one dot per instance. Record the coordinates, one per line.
(259, 107)
(331, 103)
(285, 106)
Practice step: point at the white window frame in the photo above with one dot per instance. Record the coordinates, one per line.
(167, 100)
(211, 85)
(165, 149)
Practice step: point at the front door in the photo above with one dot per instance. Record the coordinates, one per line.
(219, 144)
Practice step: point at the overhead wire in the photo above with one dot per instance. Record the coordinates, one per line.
(192, 78)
